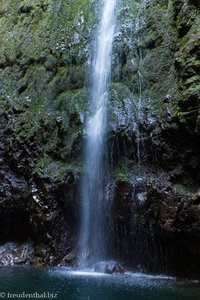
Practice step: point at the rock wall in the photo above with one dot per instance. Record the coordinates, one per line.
(43, 57)
(153, 134)
(156, 202)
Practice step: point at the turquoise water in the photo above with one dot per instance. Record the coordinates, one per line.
(64, 284)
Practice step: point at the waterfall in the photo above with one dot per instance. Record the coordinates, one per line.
(92, 192)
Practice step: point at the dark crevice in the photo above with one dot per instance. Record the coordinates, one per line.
(25, 9)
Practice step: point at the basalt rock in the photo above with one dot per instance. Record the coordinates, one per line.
(16, 254)
(32, 207)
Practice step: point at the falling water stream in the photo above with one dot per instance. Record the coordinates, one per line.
(92, 225)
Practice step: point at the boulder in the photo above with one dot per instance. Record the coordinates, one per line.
(110, 267)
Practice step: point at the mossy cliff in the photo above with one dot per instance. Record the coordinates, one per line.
(43, 62)
(153, 114)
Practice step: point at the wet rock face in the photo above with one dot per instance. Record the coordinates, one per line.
(42, 104)
(187, 62)
(154, 207)
(161, 222)
(13, 203)
(16, 254)
(31, 207)
(14, 192)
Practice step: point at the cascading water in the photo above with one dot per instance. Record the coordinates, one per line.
(93, 215)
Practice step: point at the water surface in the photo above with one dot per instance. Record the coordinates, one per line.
(65, 284)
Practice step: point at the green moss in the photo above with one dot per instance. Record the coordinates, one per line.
(187, 60)
(118, 92)
(122, 177)
(73, 101)
(42, 70)
(122, 174)
(43, 55)
(56, 170)
(28, 123)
